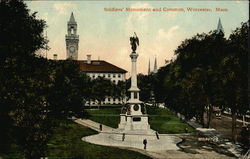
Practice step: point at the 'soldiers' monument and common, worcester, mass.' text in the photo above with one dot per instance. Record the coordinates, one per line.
(124, 79)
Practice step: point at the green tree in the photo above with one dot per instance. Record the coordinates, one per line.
(209, 70)
(101, 88)
(118, 90)
(145, 84)
(68, 89)
(234, 69)
(23, 82)
(194, 75)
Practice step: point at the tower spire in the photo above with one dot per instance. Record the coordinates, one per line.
(149, 67)
(219, 27)
(72, 18)
(155, 66)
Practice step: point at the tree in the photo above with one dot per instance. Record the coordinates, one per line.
(234, 69)
(195, 70)
(209, 70)
(68, 89)
(145, 85)
(118, 90)
(23, 81)
(21, 33)
(101, 88)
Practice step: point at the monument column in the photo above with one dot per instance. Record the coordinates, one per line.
(134, 90)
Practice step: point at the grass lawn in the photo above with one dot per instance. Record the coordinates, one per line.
(106, 116)
(160, 120)
(66, 143)
(165, 122)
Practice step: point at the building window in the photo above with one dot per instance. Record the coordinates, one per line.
(114, 75)
(108, 75)
(109, 99)
(114, 81)
(93, 76)
(119, 75)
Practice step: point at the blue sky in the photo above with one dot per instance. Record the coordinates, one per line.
(105, 34)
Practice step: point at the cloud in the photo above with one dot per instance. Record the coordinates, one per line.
(137, 20)
(167, 35)
(63, 7)
(164, 43)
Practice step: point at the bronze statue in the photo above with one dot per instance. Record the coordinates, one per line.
(134, 41)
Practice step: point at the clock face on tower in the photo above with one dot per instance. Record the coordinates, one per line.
(72, 49)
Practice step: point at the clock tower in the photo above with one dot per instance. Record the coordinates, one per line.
(72, 39)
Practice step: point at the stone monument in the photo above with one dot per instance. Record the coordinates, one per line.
(133, 117)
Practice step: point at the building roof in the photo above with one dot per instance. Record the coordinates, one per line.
(99, 66)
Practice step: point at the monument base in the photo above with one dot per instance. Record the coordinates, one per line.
(131, 123)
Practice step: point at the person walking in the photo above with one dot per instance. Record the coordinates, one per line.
(145, 144)
(157, 135)
(100, 127)
(123, 136)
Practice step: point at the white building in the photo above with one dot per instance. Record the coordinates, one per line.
(100, 68)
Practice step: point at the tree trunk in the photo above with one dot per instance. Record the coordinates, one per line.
(90, 103)
(234, 126)
(209, 115)
(202, 118)
(100, 102)
(243, 120)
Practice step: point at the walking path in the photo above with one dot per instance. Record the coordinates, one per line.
(165, 148)
(93, 125)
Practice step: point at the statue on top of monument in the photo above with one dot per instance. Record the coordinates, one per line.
(134, 41)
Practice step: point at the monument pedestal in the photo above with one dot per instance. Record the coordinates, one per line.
(130, 123)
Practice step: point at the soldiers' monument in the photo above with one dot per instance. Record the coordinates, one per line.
(134, 129)
(133, 117)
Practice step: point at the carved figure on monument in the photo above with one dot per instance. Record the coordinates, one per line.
(134, 41)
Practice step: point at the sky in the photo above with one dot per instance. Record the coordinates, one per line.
(105, 34)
